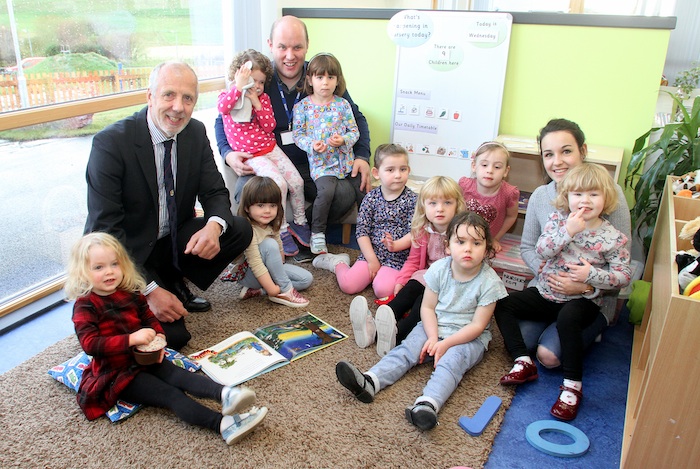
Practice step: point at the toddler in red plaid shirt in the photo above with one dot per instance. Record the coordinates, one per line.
(111, 316)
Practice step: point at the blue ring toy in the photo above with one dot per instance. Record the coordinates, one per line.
(572, 450)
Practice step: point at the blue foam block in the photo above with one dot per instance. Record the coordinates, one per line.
(475, 426)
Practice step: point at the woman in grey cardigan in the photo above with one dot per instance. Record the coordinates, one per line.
(562, 146)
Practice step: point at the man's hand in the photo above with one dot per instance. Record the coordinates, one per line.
(165, 306)
(237, 161)
(205, 242)
(362, 167)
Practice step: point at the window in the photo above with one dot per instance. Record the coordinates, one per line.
(71, 51)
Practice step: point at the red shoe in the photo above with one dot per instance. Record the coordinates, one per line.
(564, 411)
(247, 293)
(528, 373)
(384, 301)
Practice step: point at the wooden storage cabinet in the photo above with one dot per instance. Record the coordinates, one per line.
(662, 419)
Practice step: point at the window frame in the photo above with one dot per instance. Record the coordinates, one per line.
(42, 114)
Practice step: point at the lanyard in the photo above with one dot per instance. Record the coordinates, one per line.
(284, 101)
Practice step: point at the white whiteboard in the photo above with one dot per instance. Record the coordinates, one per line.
(450, 72)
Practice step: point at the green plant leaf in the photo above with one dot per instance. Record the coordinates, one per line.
(675, 152)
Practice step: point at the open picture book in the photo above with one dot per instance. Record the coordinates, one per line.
(245, 355)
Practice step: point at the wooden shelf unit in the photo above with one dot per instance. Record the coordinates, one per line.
(663, 408)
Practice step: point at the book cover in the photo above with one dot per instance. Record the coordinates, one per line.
(244, 355)
(237, 359)
(295, 338)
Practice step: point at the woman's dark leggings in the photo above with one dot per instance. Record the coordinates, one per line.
(162, 385)
(408, 300)
(571, 318)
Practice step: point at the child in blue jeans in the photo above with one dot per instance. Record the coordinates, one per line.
(458, 303)
(266, 272)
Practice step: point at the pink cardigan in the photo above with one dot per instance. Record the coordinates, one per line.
(417, 259)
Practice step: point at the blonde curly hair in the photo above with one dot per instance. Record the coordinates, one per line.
(79, 283)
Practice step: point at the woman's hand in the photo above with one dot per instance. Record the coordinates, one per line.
(563, 285)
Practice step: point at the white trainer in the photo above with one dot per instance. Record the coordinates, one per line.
(385, 322)
(234, 427)
(362, 322)
(236, 398)
(318, 243)
(330, 261)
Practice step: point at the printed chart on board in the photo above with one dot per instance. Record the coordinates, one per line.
(450, 72)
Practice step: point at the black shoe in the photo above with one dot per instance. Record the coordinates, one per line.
(422, 415)
(192, 303)
(303, 256)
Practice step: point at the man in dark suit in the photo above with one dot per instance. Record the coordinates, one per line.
(127, 175)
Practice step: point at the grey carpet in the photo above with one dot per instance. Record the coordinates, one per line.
(313, 421)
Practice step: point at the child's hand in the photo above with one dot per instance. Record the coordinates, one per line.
(397, 288)
(497, 246)
(579, 272)
(254, 99)
(388, 241)
(427, 347)
(320, 147)
(438, 350)
(374, 267)
(274, 290)
(575, 222)
(242, 77)
(142, 337)
(336, 140)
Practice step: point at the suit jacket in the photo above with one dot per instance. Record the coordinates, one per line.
(122, 186)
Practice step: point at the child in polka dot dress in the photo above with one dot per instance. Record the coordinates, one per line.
(250, 128)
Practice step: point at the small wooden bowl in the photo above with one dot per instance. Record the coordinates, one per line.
(151, 355)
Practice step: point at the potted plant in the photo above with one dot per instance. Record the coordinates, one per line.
(676, 152)
(687, 81)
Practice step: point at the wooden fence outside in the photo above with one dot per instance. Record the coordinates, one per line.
(52, 88)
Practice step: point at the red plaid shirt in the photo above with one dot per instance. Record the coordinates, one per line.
(103, 325)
